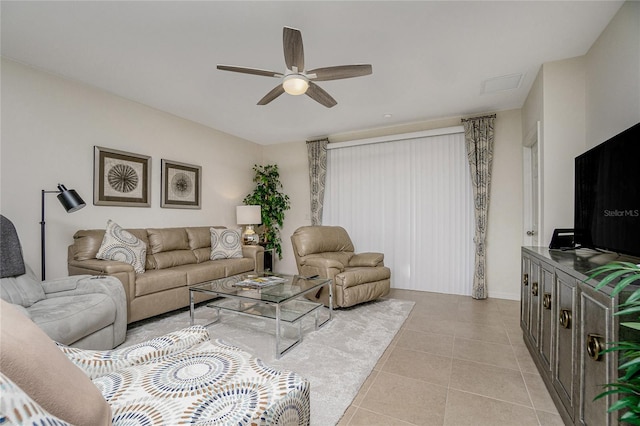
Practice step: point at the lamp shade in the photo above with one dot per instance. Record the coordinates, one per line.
(248, 215)
(70, 199)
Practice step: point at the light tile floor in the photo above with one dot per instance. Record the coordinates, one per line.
(455, 362)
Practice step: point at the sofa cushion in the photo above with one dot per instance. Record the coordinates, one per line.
(167, 239)
(237, 266)
(67, 319)
(169, 259)
(342, 257)
(57, 385)
(202, 254)
(120, 244)
(23, 290)
(320, 239)
(200, 236)
(202, 272)
(352, 277)
(226, 243)
(367, 259)
(159, 280)
(87, 242)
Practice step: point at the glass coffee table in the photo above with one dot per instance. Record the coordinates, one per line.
(281, 301)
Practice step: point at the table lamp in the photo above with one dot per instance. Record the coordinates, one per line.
(249, 216)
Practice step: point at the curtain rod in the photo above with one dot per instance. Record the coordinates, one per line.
(318, 140)
(398, 137)
(477, 118)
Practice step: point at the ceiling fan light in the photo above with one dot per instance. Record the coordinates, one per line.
(295, 84)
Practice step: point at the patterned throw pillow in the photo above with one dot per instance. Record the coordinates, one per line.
(120, 244)
(226, 243)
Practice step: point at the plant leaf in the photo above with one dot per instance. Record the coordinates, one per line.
(633, 325)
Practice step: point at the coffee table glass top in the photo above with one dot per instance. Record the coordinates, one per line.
(238, 287)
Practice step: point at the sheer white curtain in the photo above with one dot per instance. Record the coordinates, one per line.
(412, 200)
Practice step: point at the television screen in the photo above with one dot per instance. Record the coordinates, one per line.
(607, 195)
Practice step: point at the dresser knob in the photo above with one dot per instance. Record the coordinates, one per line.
(565, 318)
(534, 289)
(546, 300)
(595, 346)
(525, 279)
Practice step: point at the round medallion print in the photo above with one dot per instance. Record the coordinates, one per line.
(191, 375)
(181, 185)
(123, 178)
(230, 239)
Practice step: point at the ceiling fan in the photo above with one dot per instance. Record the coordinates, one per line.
(297, 81)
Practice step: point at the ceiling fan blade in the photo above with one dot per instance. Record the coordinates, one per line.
(293, 49)
(318, 94)
(339, 72)
(253, 71)
(277, 91)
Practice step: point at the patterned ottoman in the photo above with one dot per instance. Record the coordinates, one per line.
(179, 378)
(184, 378)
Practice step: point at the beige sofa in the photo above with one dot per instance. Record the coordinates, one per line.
(176, 259)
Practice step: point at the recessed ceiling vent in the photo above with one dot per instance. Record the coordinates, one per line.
(500, 84)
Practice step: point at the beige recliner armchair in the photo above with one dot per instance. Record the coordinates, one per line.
(327, 251)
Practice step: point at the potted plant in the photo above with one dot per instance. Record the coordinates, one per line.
(627, 388)
(273, 204)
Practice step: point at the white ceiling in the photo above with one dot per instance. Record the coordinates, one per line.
(430, 59)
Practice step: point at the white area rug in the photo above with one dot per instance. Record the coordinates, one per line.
(336, 359)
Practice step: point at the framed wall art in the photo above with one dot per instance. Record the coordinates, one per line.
(121, 178)
(181, 185)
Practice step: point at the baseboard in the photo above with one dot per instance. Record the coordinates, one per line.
(501, 295)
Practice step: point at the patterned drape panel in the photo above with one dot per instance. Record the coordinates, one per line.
(478, 134)
(317, 153)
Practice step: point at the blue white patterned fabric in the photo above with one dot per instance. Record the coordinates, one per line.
(99, 363)
(120, 244)
(184, 378)
(18, 408)
(226, 243)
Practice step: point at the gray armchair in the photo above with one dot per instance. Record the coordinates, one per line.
(83, 311)
(327, 251)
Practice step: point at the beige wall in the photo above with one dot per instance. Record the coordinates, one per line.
(505, 214)
(291, 159)
(49, 128)
(581, 102)
(563, 139)
(504, 235)
(613, 77)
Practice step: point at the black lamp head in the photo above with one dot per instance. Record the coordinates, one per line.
(70, 199)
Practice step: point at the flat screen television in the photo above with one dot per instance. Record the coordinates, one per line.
(607, 195)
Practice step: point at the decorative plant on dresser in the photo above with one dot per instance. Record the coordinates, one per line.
(627, 387)
(273, 202)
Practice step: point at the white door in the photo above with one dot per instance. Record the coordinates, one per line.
(532, 197)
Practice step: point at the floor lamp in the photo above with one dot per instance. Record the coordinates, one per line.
(71, 202)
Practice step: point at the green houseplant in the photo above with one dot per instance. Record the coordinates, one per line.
(267, 194)
(627, 388)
